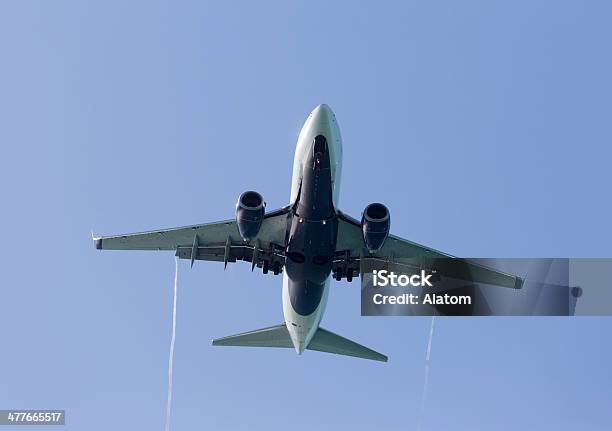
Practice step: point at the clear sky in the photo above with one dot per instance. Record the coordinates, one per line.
(484, 126)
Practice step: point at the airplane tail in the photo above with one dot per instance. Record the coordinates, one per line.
(322, 341)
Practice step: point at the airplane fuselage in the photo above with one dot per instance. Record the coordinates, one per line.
(315, 188)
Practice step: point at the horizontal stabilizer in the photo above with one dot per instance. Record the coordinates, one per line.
(274, 336)
(322, 341)
(326, 341)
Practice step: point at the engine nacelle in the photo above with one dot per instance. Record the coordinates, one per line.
(375, 225)
(250, 210)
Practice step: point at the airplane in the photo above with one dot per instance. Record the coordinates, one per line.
(310, 241)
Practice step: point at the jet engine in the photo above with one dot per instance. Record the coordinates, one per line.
(250, 210)
(375, 225)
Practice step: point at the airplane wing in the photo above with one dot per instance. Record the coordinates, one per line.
(218, 241)
(402, 255)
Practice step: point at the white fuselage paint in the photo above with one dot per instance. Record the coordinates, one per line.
(321, 121)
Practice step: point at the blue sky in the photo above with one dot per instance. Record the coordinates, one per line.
(484, 126)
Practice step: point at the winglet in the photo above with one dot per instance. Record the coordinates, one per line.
(518, 283)
(97, 241)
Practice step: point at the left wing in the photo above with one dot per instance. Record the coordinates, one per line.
(218, 241)
(403, 254)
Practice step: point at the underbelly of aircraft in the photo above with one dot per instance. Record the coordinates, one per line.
(313, 232)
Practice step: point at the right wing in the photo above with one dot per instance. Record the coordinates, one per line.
(218, 241)
(407, 255)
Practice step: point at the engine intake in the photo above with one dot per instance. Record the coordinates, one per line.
(250, 211)
(375, 225)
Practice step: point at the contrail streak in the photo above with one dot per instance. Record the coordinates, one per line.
(426, 383)
(172, 339)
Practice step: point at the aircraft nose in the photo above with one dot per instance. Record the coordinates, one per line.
(323, 108)
(322, 116)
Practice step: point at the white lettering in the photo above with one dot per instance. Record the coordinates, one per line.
(446, 299)
(385, 278)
